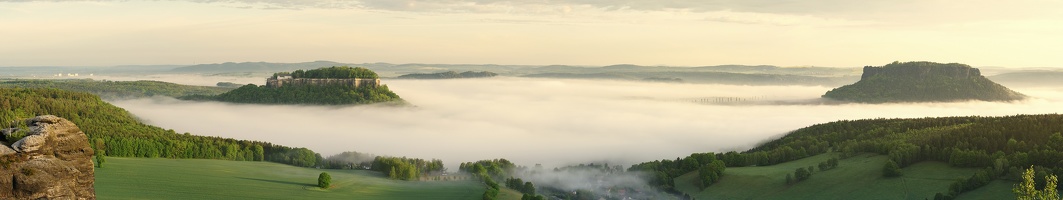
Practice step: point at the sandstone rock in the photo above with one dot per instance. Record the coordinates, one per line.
(4, 150)
(53, 162)
(30, 145)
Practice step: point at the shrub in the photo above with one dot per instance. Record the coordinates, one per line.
(324, 180)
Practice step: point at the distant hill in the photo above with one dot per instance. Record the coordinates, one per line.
(922, 82)
(1044, 78)
(113, 90)
(706, 77)
(230, 67)
(449, 75)
(765, 74)
(613, 76)
(322, 86)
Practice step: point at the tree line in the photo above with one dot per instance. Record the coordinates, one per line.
(490, 172)
(112, 131)
(1003, 144)
(1000, 144)
(331, 72)
(118, 89)
(402, 168)
(116, 132)
(662, 173)
(303, 94)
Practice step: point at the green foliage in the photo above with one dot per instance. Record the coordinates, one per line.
(661, 173)
(978, 142)
(517, 184)
(858, 177)
(100, 159)
(497, 168)
(349, 160)
(304, 94)
(1027, 189)
(449, 75)
(335, 94)
(922, 82)
(891, 169)
(332, 72)
(711, 173)
(16, 135)
(490, 194)
(124, 136)
(979, 179)
(488, 171)
(118, 89)
(405, 168)
(228, 85)
(527, 196)
(801, 174)
(324, 180)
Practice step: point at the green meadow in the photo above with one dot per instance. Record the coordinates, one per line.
(857, 177)
(151, 178)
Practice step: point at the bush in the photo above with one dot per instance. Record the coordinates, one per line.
(891, 169)
(802, 174)
(324, 180)
(99, 159)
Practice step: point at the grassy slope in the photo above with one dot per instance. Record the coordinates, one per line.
(858, 177)
(144, 178)
(507, 193)
(998, 189)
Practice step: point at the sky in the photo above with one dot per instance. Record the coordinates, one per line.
(833, 33)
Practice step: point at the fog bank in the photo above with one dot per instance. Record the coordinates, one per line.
(184, 79)
(548, 121)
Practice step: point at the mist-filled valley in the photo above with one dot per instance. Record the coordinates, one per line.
(553, 122)
(530, 100)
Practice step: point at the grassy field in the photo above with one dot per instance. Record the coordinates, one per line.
(144, 178)
(858, 177)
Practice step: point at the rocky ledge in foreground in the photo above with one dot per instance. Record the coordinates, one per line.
(52, 161)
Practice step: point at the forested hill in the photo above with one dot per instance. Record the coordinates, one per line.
(449, 75)
(1002, 146)
(118, 89)
(115, 132)
(922, 82)
(337, 92)
(333, 72)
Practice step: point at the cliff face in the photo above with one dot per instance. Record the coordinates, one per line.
(922, 82)
(353, 82)
(53, 161)
(922, 70)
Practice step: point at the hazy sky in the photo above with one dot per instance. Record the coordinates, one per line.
(838, 33)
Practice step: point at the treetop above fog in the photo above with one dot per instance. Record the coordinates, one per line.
(331, 72)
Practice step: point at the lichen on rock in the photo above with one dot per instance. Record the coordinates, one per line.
(53, 161)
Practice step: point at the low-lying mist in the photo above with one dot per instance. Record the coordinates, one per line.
(548, 121)
(184, 79)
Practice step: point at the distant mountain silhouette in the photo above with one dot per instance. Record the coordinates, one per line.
(922, 82)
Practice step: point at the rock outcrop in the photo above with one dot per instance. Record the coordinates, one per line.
(922, 82)
(53, 161)
(922, 70)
